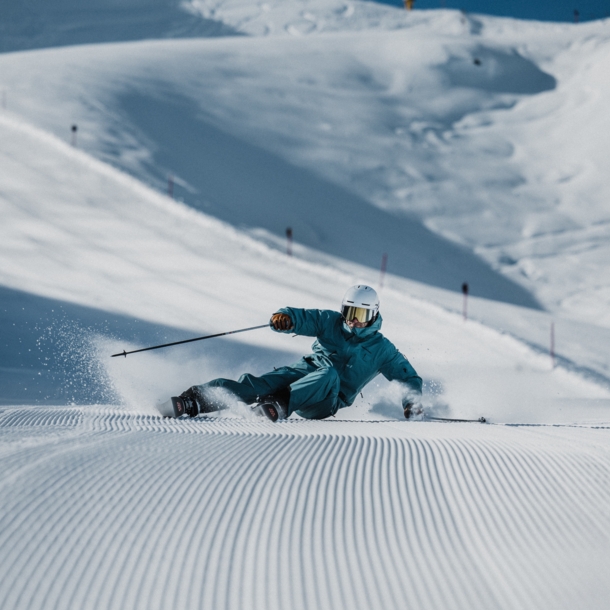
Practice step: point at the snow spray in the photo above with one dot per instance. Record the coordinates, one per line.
(72, 358)
(142, 383)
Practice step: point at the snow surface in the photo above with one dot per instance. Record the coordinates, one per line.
(32, 24)
(372, 117)
(108, 510)
(505, 158)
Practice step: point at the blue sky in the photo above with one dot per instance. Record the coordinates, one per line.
(544, 10)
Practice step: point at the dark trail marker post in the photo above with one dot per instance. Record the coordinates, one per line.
(289, 241)
(384, 265)
(465, 303)
(74, 130)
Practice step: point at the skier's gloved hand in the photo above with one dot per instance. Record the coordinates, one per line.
(413, 410)
(281, 321)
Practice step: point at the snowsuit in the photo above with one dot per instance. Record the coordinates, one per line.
(343, 361)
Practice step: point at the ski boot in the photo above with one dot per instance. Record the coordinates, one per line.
(196, 403)
(274, 406)
(191, 402)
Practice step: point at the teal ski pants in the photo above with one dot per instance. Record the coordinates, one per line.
(314, 393)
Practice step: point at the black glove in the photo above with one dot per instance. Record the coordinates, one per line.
(281, 321)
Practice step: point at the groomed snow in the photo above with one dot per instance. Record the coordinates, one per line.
(103, 504)
(101, 509)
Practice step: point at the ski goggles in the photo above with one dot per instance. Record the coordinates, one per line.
(359, 313)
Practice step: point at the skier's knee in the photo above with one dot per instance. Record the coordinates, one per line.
(331, 381)
(330, 373)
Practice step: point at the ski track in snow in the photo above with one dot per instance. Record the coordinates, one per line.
(101, 508)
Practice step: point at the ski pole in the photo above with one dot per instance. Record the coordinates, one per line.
(481, 420)
(231, 332)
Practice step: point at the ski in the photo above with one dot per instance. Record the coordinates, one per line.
(480, 420)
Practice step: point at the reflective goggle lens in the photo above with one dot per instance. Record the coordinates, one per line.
(360, 313)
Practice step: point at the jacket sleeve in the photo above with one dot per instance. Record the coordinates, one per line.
(307, 322)
(398, 368)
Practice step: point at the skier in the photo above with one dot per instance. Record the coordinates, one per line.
(349, 351)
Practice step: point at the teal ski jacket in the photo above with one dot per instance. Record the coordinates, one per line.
(357, 354)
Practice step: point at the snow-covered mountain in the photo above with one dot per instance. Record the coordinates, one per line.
(32, 24)
(467, 148)
(485, 130)
(81, 233)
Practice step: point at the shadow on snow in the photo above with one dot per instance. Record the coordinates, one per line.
(250, 187)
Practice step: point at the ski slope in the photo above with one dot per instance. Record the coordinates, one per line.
(501, 160)
(103, 509)
(104, 505)
(112, 506)
(81, 233)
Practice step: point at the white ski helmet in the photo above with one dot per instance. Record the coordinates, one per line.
(360, 302)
